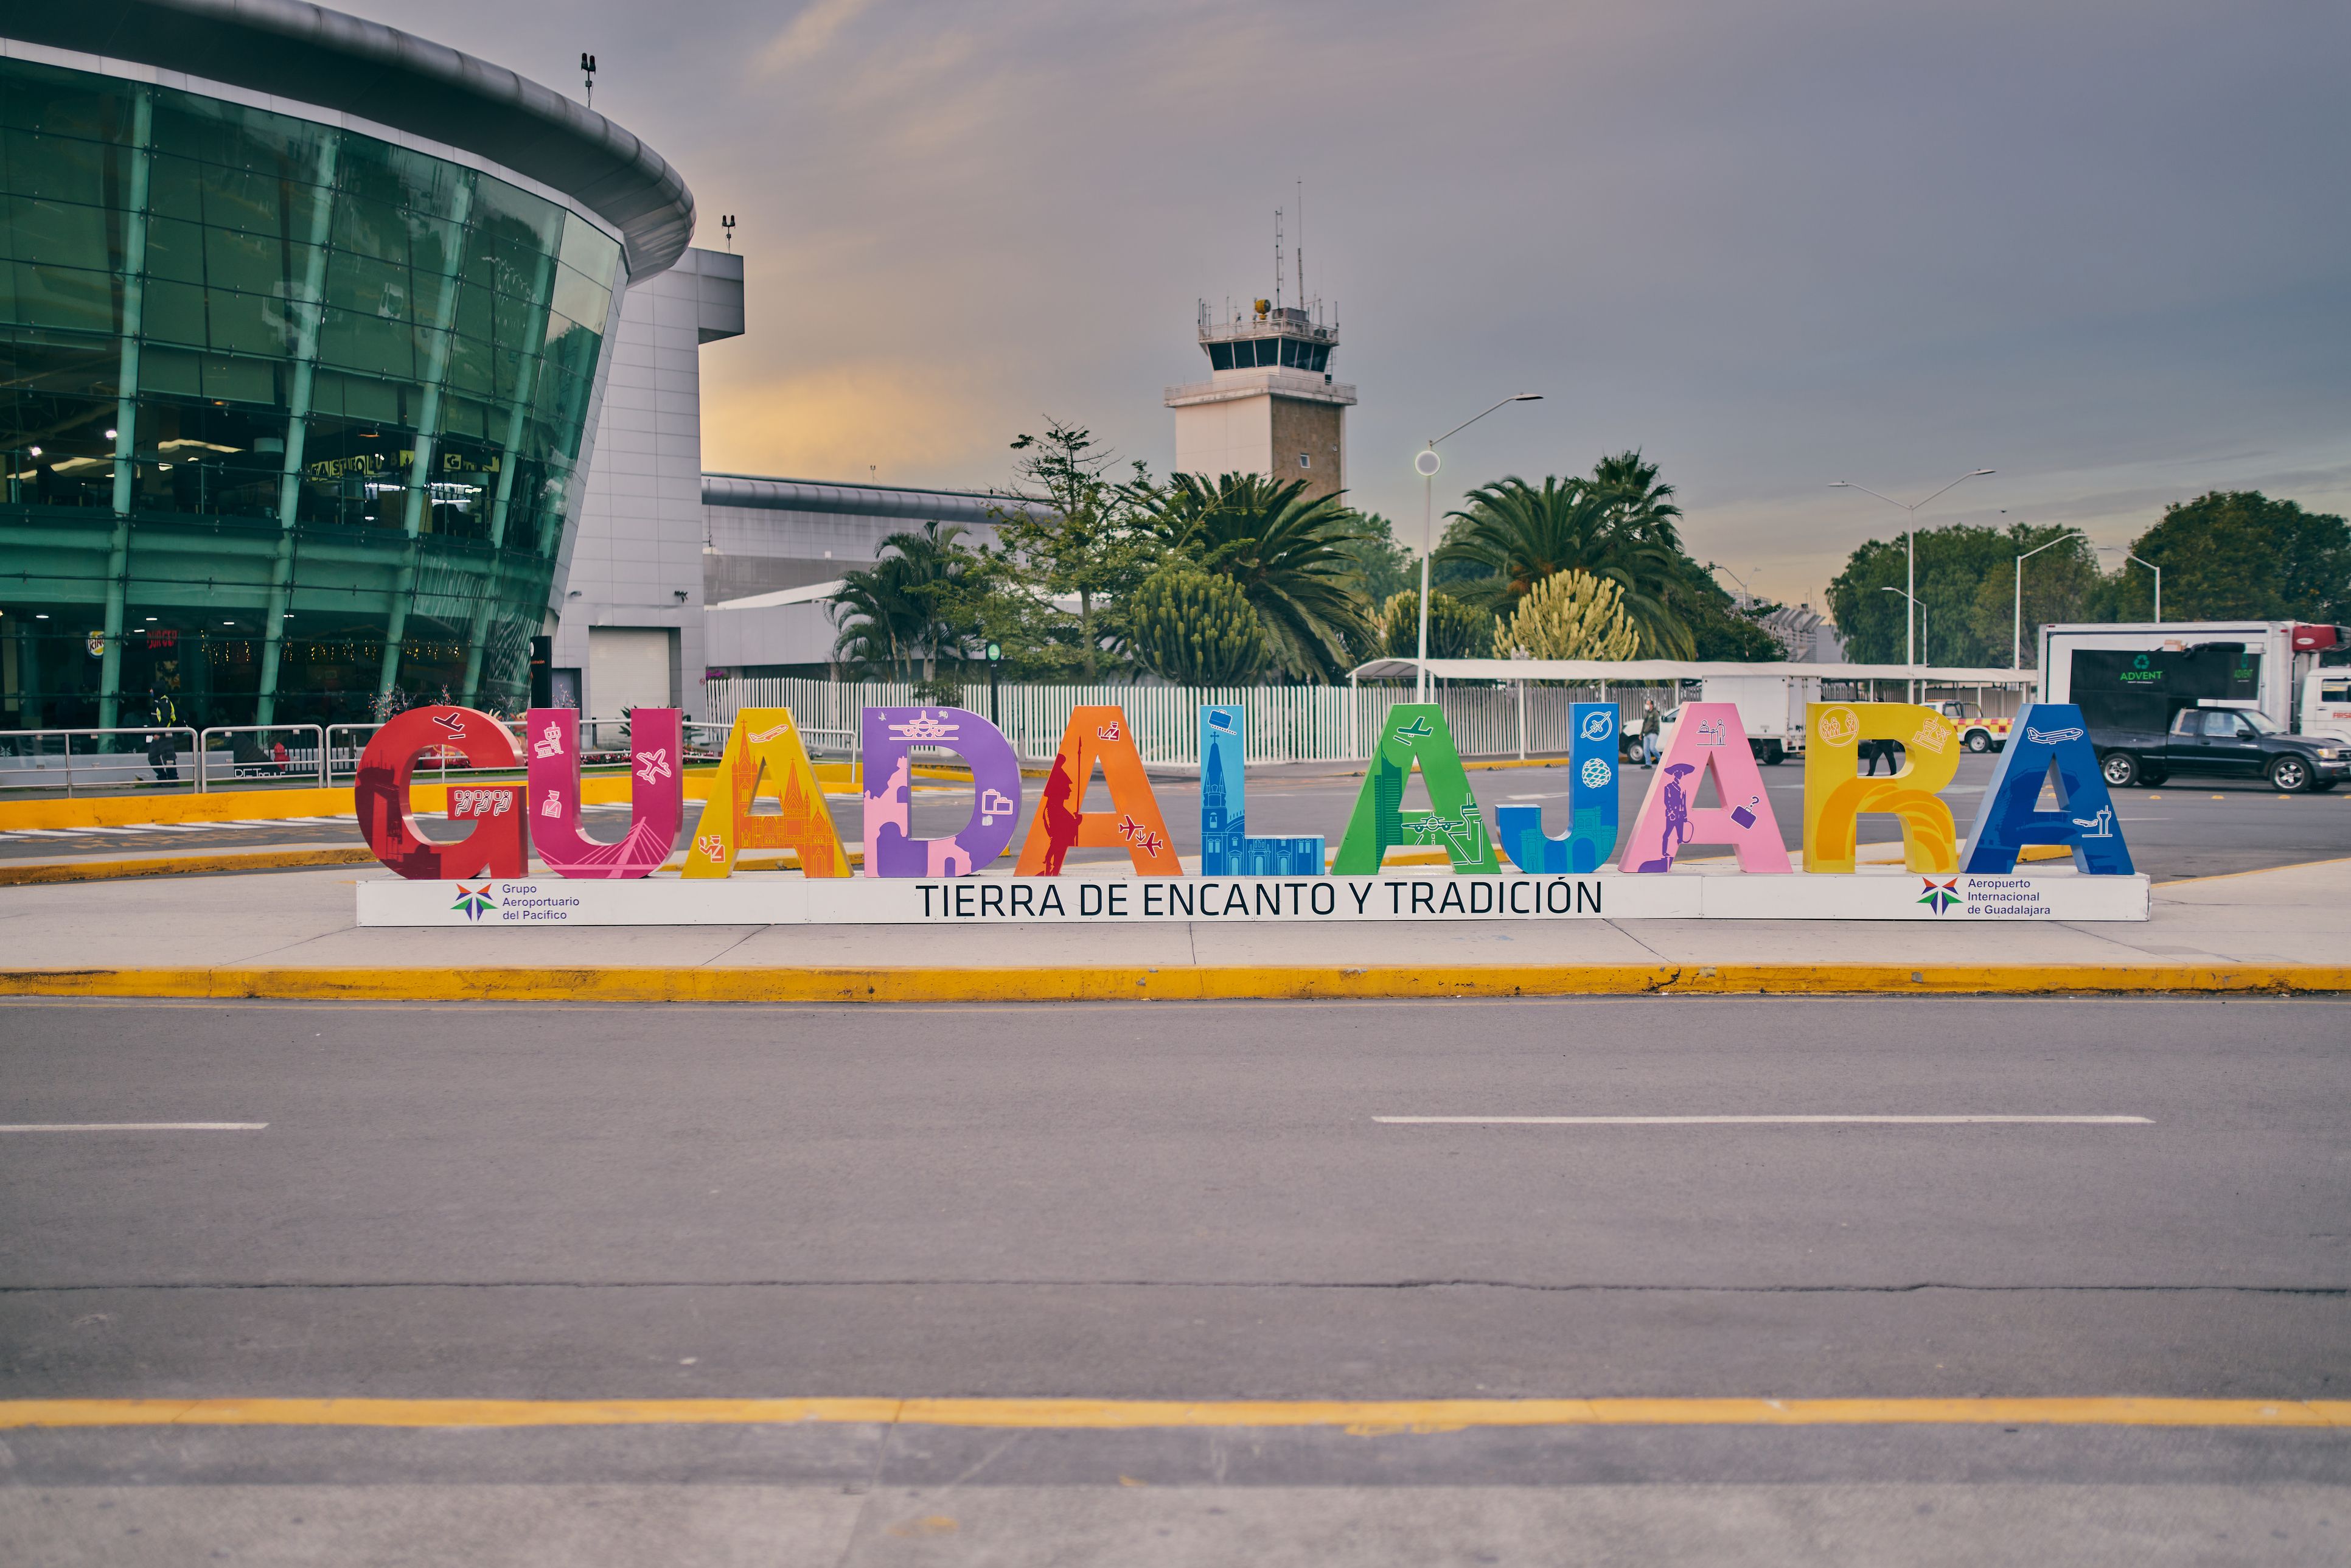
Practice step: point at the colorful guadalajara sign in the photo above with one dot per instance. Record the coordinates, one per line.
(1516, 869)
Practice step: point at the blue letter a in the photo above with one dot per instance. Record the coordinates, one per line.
(2050, 742)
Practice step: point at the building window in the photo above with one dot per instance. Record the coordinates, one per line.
(1304, 460)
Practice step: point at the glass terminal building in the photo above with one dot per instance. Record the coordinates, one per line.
(303, 328)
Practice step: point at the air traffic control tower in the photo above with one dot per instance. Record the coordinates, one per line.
(1269, 405)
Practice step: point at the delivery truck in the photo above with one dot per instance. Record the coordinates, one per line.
(2136, 678)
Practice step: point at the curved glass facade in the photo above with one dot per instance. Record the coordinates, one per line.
(291, 418)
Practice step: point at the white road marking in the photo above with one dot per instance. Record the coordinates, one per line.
(131, 1126)
(1756, 1121)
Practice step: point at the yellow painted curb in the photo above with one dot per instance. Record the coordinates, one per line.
(1179, 983)
(182, 865)
(220, 806)
(1355, 1417)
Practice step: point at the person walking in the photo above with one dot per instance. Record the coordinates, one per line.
(162, 751)
(1648, 732)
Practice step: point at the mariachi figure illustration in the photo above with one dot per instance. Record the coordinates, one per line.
(1678, 828)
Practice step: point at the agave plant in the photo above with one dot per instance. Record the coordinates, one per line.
(1570, 615)
(1284, 549)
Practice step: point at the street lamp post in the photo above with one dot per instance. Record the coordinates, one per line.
(1922, 634)
(2124, 550)
(2016, 642)
(1910, 545)
(1715, 566)
(1426, 463)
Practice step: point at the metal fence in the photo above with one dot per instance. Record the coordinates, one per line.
(1286, 724)
(116, 758)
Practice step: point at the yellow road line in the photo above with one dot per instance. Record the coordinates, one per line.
(1362, 1417)
(1174, 983)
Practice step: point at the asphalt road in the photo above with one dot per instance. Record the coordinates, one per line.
(2204, 828)
(1184, 1202)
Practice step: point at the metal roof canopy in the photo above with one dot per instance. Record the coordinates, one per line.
(313, 55)
(1657, 671)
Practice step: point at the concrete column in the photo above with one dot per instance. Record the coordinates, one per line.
(126, 407)
(310, 307)
(526, 388)
(428, 429)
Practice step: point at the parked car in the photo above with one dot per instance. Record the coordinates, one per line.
(2222, 742)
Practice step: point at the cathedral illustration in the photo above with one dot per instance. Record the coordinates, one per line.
(1225, 848)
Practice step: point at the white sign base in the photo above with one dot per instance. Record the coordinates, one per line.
(763, 900)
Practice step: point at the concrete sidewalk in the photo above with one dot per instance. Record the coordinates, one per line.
(293, 922)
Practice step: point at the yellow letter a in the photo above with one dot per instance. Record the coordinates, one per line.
(764, 747)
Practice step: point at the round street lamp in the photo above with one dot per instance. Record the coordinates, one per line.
(1426, 463)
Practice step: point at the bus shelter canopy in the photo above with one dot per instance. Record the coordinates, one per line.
(1661, 672)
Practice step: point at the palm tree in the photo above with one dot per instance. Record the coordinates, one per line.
(1627, 484)
(1285, 551)
(889, 614)
(1521, 535)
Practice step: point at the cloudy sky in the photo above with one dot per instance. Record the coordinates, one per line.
(2099, 248)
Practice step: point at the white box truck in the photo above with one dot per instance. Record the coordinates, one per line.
(2135, 677)
(1771, 709)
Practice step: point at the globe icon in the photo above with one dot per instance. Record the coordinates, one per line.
(1596, 773)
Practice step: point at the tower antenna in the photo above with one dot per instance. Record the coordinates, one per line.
(1277, 258)
(1302, 244)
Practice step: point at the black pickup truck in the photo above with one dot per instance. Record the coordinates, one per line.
(2222, 742)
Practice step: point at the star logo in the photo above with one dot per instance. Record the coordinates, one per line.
(472, 901)
(1940, 896)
